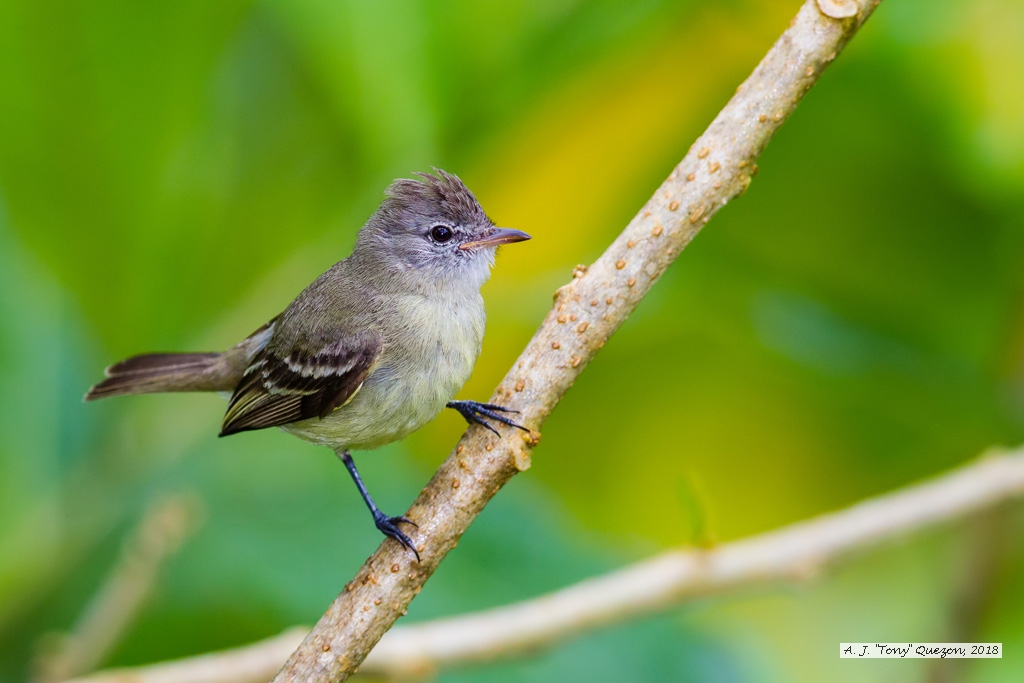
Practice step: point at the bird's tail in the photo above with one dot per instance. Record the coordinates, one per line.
(158, 372)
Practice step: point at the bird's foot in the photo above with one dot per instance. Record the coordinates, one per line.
(389, 527)
(475, 412)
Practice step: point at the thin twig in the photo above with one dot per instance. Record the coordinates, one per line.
(796, 552)
(165, 525)
(983, 552)
(587, 311)
(253, 663)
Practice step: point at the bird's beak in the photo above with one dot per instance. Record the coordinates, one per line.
(499, 236)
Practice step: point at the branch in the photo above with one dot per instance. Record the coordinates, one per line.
(795, 552)
(165, 525)
(587, 311)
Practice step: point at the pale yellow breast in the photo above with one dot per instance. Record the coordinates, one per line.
(429, 352)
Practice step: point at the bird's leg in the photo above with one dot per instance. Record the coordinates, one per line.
(475, 412)
(387, 525)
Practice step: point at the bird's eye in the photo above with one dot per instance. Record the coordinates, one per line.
(441, 233)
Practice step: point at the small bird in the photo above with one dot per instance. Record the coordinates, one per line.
(371, 351)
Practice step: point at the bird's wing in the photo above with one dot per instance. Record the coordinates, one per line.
(282, 386)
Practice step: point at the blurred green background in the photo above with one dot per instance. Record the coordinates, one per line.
(172, 174)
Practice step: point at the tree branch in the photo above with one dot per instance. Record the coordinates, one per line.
(587, 311)
(795, 552)
(254, 663)
(166, 524)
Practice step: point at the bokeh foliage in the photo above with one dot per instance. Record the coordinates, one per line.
(171, 174)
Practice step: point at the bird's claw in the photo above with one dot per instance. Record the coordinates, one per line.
(389, 527)
(475, 412)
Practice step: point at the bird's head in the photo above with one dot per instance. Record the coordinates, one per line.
(434, 227)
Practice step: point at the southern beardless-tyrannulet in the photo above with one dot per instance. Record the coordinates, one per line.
(372, 350)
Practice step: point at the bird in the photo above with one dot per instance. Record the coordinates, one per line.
(372, 350)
